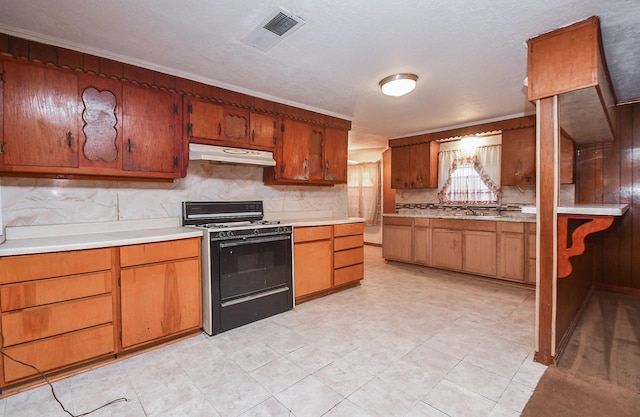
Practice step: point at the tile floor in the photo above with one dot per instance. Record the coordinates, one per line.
(409, 342)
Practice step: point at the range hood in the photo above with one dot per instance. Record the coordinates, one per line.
(229, 155)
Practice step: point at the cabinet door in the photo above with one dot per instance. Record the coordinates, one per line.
(512, 256)
(205, 121)
(152, 133)
(264, 130)
(422, 245)
(446, 250)
(401, 167)
(396, 243)
(480, 252)
(313, 267)
(518, 166)
(40, 116)
(336, 152)
(301, 157)
(424, 165)
(158, 300)
(235, 126)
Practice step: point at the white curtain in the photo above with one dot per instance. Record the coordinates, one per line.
(470, 178)
(489, 158)
(363, 187)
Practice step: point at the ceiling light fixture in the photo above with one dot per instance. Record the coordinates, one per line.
(397, 85)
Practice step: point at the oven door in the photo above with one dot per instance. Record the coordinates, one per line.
(252, 279)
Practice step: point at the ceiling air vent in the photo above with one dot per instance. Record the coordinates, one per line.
(273, 29)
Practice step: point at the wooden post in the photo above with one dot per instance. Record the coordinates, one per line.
(547, 190)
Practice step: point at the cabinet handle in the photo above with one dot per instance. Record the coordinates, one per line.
(129, 146)
(253, 135)
(219, 129)
(69, 139)
(282, 168)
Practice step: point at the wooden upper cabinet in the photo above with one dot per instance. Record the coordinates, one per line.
(415, 166)
(151, 130)
(69, 123)
(518, 165)
(570, 62)
(40, 116)
(336, 141)
(216, 124)
(264, 130)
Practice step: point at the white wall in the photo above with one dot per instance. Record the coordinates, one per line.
(28, 201)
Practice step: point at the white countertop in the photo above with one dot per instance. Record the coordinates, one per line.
(587, 209)
(521, 218)
(57, 238)
(324, 221)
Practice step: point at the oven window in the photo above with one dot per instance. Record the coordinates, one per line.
(250, 266)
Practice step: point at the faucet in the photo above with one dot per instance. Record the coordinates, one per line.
(469, 209)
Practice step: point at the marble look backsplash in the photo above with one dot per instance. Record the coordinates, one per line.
(28, 201)
(510, 195)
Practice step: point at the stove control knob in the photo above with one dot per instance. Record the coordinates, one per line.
(256, 231)
(230, 233)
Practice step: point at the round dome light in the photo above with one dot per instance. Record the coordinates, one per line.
(397, 85)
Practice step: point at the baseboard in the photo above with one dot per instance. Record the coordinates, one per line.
(572, 326)
(619, 290)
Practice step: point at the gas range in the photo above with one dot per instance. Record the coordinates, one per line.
(247, 263)
(231, 219)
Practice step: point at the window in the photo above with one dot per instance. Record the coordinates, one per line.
(465, 178)
(364, 192)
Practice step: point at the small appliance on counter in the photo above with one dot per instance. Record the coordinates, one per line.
(247, 263)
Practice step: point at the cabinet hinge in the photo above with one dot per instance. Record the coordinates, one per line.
(175, 108)
(175, 161)
(1, 147)
(275, 140)
(190, 128)
(190, 108)
(1, 76)
(119, 281)
(282, 127)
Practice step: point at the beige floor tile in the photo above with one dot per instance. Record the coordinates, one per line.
(309, 398)
(454, 400)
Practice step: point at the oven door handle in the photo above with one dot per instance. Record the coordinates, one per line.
(254, 296)
(251, 240)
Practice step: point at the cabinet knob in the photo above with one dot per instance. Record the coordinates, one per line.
(129, 145)
(253, 135)
(219, 129)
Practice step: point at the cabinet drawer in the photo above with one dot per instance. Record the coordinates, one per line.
(479, 225)
(310, 233)
(147, 253)
(56, 352)
(347, 242)
(421, 222)
(349, 274)
(348, 229)
(511, 227)
(348, 257)
(48, 265)
(40, 322)
(32, 294)
(399, 221)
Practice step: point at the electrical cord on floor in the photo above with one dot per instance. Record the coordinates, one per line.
(5, 354)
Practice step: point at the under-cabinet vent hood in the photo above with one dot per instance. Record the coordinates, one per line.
(228, 155)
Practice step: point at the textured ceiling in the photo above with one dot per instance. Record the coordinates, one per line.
(470, 55)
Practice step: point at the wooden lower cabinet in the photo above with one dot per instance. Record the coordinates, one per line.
(313, 260)
(498, 249)
(160, 290)
(511, 254)
(397, 239)
(480, 252)
(49, 317)
(422, 241)
(327, 259)
(65, 310)
(446, 248)
(348, 253)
